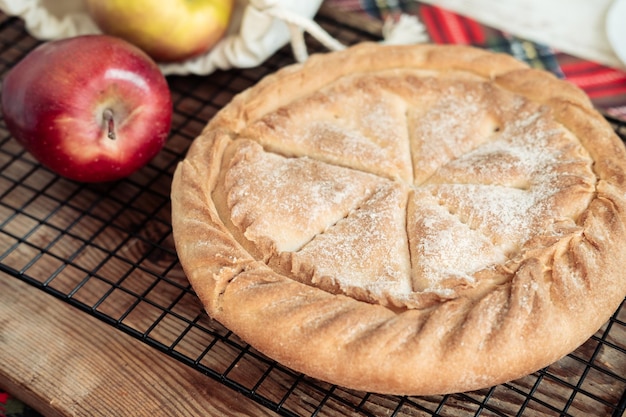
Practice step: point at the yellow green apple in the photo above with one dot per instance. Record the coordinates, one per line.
(167, 30)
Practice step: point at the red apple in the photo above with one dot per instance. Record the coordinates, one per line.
(92, 108)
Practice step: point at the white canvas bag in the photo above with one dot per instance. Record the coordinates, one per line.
(257, 30)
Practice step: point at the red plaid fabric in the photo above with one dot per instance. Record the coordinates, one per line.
(605, 86)
(447, 27)
(12, 407)
(4, 397)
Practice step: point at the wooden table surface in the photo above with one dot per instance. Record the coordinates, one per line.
(63, 362)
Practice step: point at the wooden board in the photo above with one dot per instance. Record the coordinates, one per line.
(66, 363)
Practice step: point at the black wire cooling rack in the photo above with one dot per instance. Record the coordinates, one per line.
(107, 249)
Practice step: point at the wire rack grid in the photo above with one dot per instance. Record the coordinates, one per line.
(107, 249)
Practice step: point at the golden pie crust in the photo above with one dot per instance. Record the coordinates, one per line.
(406, 219)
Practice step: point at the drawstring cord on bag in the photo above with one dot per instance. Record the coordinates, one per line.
(298, 25)
(408, 29)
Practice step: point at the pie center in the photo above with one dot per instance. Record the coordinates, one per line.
(401, 199)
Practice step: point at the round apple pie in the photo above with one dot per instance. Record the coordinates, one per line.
(406, 219)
